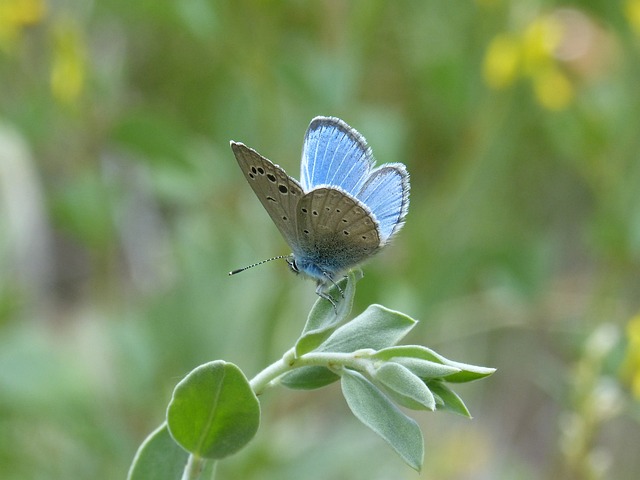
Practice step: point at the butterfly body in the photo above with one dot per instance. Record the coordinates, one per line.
(342, 211)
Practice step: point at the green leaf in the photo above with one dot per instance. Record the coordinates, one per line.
(323, 318)
(465, 373)
(425, 368)
(308, 378)
(213, 412)
(382, 416)
(377, 327)
(404, 387)
(413, 351)
(447, 399)
(468, 373)
(159, 457)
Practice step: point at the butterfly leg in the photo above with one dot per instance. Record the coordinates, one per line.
(322, 294)
(330, 278)
(322, 286)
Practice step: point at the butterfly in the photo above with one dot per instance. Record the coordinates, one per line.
(341, 212)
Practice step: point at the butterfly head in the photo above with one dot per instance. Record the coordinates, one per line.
(308, 268)
(324, 279)
(293, 265)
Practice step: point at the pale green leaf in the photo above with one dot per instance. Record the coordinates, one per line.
(323, 318)
(404, 387)
(425, 368)
(377, 327)
(447, 399)
(464, 372)
(382, 416)
(308, 378)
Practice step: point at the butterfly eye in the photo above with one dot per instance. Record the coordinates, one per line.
(293, 266)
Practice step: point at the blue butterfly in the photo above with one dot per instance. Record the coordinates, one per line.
(341, 212)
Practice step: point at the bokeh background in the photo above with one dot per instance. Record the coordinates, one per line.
(122, 209)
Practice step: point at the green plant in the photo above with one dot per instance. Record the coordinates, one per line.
(214, 411)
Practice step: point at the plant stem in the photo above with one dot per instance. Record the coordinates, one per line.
(273, 371)
(193, 469)
(290, 362)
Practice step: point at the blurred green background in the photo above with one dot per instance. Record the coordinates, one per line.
(122, 209)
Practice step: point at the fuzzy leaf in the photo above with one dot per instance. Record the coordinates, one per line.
(464, 373)
(425, 368)
(308, 378)
(323, 318)
(404, 387)
(447, 399)
(377, 327)
(382, 416)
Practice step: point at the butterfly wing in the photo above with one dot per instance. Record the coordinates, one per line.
(277, 191)
(343, 211)
(334, 154)
(335, 232)
(386, 193)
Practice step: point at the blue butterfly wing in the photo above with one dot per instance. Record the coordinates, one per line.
(386, 193)
(334, 154)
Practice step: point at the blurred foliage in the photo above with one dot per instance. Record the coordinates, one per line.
(122, 209)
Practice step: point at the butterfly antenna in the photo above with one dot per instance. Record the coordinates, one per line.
(238, 270)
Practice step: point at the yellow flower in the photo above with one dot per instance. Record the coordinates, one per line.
(539, 42)
(69, 62)
(532, 55)
(631, 365)
(15, 15)
(501, 61)
(552, 88)
(632, 12)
